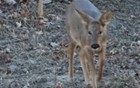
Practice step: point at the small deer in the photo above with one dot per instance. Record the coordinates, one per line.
(86, 28)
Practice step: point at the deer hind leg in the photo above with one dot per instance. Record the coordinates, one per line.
(85, 69)
(101, 63)
(71, 53)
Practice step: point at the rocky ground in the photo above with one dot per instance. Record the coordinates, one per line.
(31, 58)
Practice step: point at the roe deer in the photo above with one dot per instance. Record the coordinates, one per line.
(86, 28)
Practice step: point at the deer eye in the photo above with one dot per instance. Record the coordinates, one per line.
(100, 32)
(89, 33)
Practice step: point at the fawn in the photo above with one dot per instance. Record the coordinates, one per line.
(86, 28)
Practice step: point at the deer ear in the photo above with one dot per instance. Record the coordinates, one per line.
(106, 18)
(85, 18)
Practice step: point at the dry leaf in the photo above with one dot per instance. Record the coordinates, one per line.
(59, 85)
(18, 24)
(23, 1)
(39, 32)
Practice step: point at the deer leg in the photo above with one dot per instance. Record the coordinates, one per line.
(83, 62)
(92, 70)
(40, 8)
(71, 53)
(101, 63)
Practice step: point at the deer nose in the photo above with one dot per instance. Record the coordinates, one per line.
(95, 46)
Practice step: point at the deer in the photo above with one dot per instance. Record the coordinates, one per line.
(86, 27)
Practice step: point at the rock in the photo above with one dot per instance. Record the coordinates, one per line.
(12, 67)
(138, 42)
(47, 1)
(0, 11)
(14, 84)
(10, 2)
(53, 44)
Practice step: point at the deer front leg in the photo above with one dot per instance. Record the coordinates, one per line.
(92, 70)
(101, 62)
(71, 53)
(85, 69)
(40, 8)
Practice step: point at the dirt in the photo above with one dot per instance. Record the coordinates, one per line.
(30, 58)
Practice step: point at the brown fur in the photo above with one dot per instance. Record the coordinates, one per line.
(80, 28)
(40, 8)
